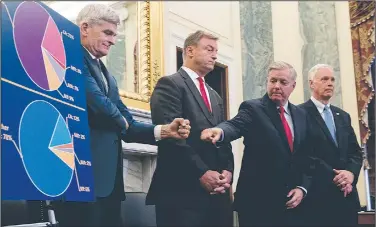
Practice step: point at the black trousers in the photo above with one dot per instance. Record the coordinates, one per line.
(105, 211)
(331, 214)
(265, 215)
(216, 212)
(330, 208)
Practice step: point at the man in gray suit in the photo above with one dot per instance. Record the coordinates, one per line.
(189, 170)
(109, 123)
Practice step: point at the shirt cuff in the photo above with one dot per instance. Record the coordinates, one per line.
(220, 139)
(126, 123)
(157, 132)
(222, 136)
(305, 190)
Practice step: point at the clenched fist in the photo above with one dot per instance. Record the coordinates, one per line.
(211, 135)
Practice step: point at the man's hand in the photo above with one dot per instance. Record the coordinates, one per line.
(297, 196)
(343, 177)
(211, 135)
(177, 129)
(224, 182)
(347, 189)
(210, 180)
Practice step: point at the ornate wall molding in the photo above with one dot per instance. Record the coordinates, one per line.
(150, 54)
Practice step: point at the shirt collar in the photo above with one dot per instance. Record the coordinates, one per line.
(319, 105)
(192, 74)
(92, 56)
(286, 107)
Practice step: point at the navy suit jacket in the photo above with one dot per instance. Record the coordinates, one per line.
(269, 169)
(107, 125)
(325, 196)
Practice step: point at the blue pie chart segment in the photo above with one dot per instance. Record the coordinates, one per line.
(47, 148)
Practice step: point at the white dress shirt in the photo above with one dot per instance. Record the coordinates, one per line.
(157, 129)
(194, 76)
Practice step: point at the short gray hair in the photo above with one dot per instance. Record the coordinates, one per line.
(313, 71)
(95, 13)
(280, 65)
(194, 38)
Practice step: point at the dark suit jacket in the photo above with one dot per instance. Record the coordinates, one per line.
(107, 126)
(181, 164)
(269, 169)
(327, 156)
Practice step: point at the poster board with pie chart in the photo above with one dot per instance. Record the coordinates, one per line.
(45, 143)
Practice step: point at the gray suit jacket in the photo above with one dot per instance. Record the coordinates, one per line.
(181, 163)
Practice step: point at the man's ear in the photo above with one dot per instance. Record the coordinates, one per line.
(84, 27)
(311, 84)
(189, 51)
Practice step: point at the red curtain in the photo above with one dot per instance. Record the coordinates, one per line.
(362, 18)
(362, 27)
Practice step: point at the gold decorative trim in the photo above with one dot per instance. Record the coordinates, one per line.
(156, 43)
(150, 54)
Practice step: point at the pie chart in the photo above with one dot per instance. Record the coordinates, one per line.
(47, 148)
(39, 46)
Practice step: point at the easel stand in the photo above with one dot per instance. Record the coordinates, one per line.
(366, 168)
(51, 219)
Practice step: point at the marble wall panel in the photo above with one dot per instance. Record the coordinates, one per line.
(319, 32)
(257, 46)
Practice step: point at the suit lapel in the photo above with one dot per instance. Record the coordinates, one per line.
(214, 105)
(271, 110)
(192, 87)
(297, 120)
(337, 123)
(94, 70)
(313, 111)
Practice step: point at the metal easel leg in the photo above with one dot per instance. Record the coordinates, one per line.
(51, 218)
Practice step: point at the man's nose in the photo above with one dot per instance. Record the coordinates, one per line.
(214, 57)
(112, 40)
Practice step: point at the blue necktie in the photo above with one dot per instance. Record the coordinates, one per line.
(330, 123)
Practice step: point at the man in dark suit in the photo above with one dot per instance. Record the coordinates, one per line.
(272, 181)
(333, 198)
(188, 171)
(110, 122)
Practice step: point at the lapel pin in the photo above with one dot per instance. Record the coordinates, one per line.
(337, 114)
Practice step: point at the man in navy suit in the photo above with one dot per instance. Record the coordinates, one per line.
(272, 180)
(333, 198)
(110, 122)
